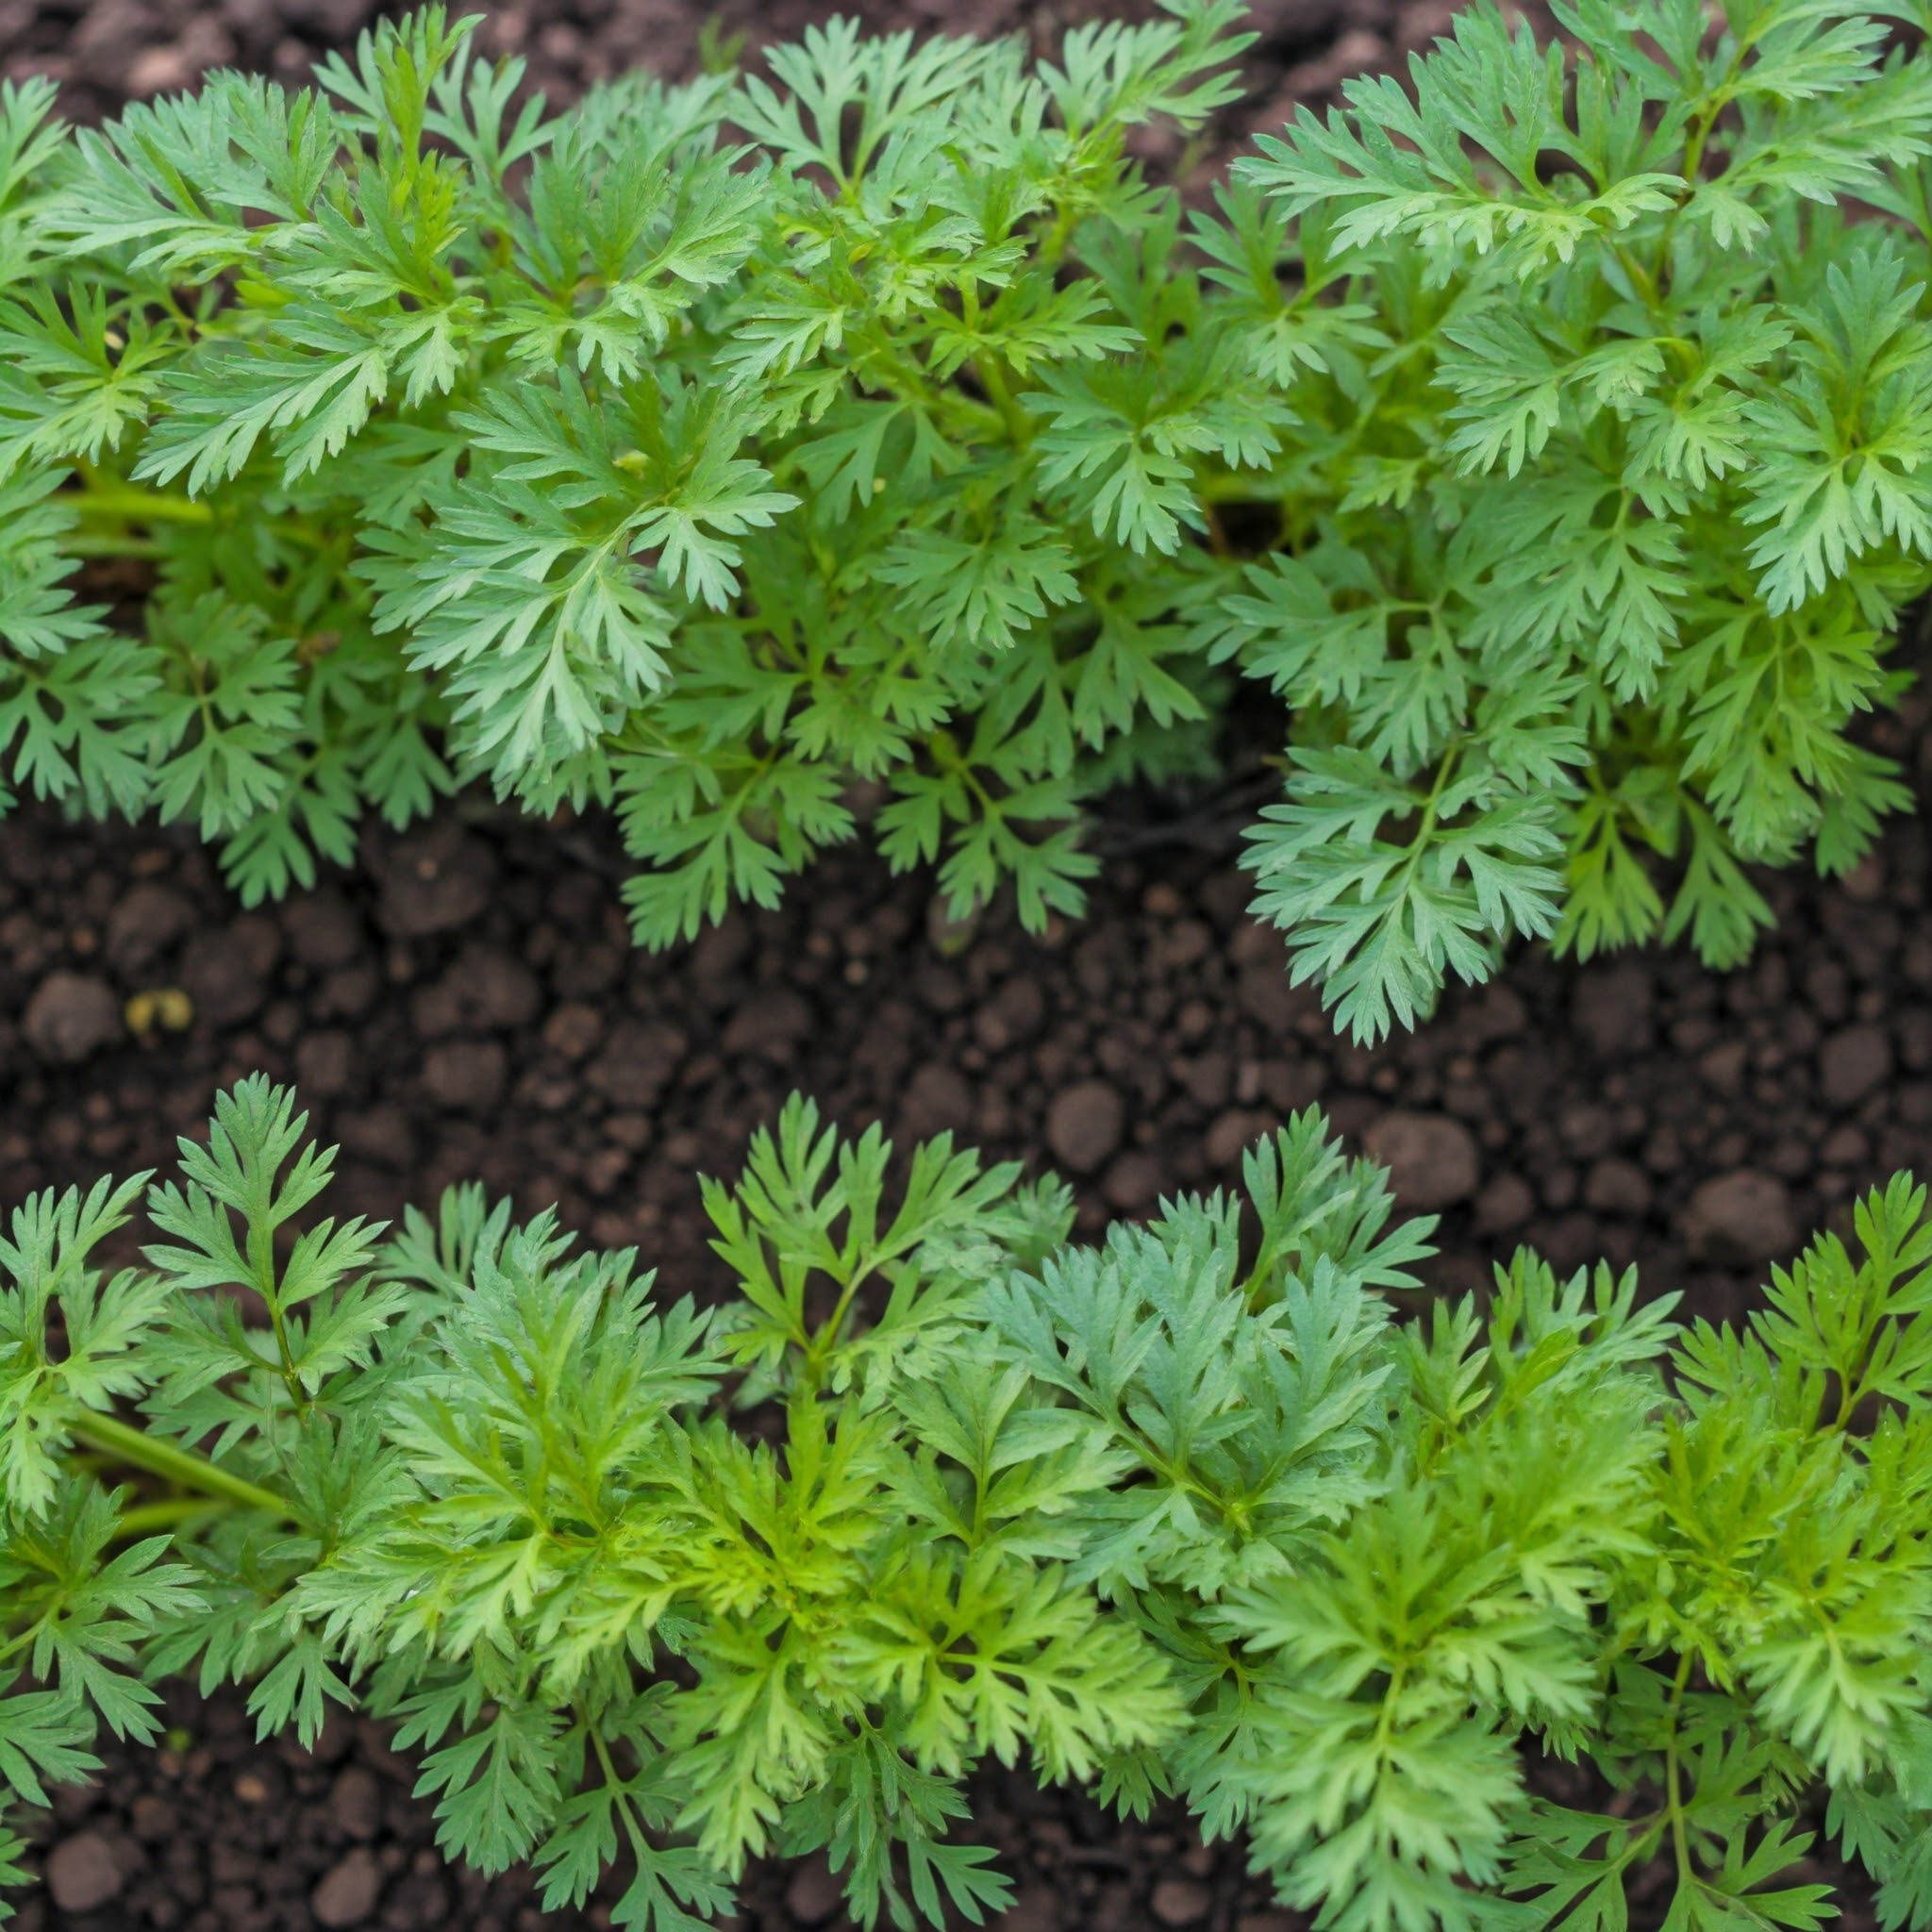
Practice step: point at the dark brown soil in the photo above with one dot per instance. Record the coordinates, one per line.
(104, 52)
(467, 1003)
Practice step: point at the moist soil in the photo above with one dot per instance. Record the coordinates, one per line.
(106, 52)
(466, 1003)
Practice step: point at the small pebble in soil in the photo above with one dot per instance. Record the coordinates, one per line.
(84, 1872)
(1084, 1125)
(1739, 1216)
(355, 1802)
(1854, 1063)
(71, 1017)
(149, 920)
(1181, 1901)
(1432, 1159)
(348, 1891)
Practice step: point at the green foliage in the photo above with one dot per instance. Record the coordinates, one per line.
(870, 444)
(1648, 401)
(1199, 1510)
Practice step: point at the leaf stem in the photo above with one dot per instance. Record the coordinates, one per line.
(174, 1464)
(1019, 425)
(165, 1513)
(129, 502)
(1673, 1796)
(104, 546)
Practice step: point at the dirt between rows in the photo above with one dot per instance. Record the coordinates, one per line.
(104, 53)
(467, 1004)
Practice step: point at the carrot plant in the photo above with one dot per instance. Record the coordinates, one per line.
(1201, 1510)
(868, 445)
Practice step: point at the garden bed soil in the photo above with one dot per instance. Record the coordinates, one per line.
(106, 52)
(467, 1004)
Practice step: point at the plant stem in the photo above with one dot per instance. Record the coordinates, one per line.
(992, 379)
(103, 545)
(1673, 1791)
(177, 1465)
(113, 498)
(166, 1511)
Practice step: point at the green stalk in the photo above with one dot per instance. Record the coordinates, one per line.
(174, 1464)
(1673, 1788)
(992, 379)
(137, 506)
(111, 547)
(168, 1512)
